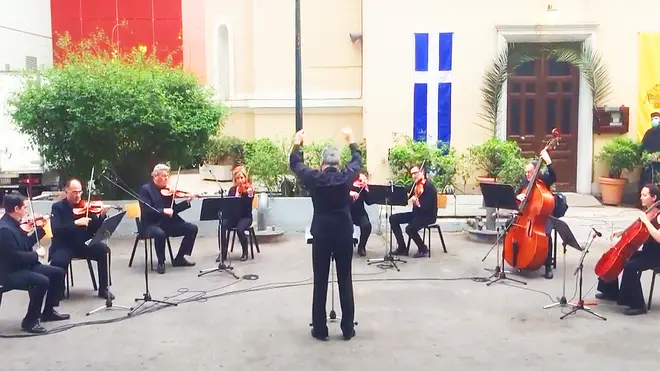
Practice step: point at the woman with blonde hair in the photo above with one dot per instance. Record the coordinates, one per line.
(242, 220)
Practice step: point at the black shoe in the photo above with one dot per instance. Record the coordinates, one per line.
(320, 336)
(548, 273)
(348, 335)
(244, 256)
(400, 251)
(34, 328)
(182, 262)
(601, 296)
(106, 294)
(362, 251)
(52, 315)
(422, 253)
(634, 311)
(160, 268)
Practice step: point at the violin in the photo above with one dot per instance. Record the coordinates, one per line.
(245, 188)
(92, 207)
(526, 243)
(168, 191)
(30, 223)
(361, 182)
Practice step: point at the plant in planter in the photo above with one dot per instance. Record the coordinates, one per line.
(221, 153)
(620, 154)
(268, 163)
(491, 155)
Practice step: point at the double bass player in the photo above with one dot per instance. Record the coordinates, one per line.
(629, 293)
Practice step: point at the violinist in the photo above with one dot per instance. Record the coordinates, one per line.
(360, 195)
(166, 222)
(648, 257)
(20, 268)
(424, 199)
(243, 219)
(548, 179)
(71, 231)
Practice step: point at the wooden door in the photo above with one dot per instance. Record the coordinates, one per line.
(542, 95)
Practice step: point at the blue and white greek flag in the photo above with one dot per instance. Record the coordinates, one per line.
(432, 89)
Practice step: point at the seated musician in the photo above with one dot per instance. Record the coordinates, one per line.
(424, 212)
(630, 292)
(20, 268)
(166, 222)
(548, 179)
(243, 219)
(70, 232)
(360, 194)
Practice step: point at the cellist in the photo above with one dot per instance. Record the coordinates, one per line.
(548, 179)
(648, 257)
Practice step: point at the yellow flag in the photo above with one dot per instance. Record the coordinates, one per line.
(649, 80)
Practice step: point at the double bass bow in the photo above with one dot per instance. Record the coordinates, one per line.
(526, 243)
(610, 265)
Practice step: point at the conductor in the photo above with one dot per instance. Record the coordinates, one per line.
(332, 229)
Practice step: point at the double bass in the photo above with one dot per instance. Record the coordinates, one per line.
(611, 264)
(526, 243)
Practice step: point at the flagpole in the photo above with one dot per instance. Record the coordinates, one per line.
(299, 118)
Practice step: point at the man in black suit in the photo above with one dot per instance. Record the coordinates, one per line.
(424, 212)
(70, 233)
(20, 268)
(162, 219)
(332, 229)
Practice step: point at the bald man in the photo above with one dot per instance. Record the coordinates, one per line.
(70, 233)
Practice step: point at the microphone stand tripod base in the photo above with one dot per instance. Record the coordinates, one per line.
(109, 305)
(220, 268)
(146, 297)
(580, 306)
(500, 275)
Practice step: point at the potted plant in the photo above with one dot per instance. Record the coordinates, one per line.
(491, 155)
(442, 171)
(221, 154)
(619, 154)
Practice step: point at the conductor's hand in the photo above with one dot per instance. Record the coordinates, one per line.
(82, 222)
(299, 137)
(521, 197)
(354, 195)
(168, 211)
(348, 135)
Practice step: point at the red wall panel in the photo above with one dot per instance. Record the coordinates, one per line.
(141, 22)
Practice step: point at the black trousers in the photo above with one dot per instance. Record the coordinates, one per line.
(342, 252)
(62, 257)
(415, 224)
(173, 229)
(242, 225)
(365, 230)
(630, 292)
(39, 281)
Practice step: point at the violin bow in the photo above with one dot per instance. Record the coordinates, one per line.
(128, 191)
(89, 192)
(175, 187)
(34, 219)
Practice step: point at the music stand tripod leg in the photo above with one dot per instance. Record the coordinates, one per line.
(388, 258)
(108, 301)
(562, 301)
(499, 273)
(146, 297)
(221, 265)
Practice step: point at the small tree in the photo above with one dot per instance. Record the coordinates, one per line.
(129, 111)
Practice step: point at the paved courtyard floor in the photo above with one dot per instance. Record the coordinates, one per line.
(423, 317)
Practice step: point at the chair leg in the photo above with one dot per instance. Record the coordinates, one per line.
(651, 291)
(109, 268)
(250, 231)
(91, 274)
(130, 261)
(429, 244)
(69, 276)
(442, 239)
(233, 240)
(254, 236)
(169, 246)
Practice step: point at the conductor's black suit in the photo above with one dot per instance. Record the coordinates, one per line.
(332, 231)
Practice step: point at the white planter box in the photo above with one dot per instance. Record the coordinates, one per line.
(221, 173)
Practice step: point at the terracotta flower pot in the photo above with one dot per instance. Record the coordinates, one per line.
(485, 179)
(611, 190)
(442, 201)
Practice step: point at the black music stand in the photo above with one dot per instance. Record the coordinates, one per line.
(569, 239)
(499, 196)
(219, 208)
(106, 230)
(388, 195)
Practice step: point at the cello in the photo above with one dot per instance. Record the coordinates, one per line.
(611, 264)
(526, 243)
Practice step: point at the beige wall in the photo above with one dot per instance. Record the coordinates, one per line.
(377, 101)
